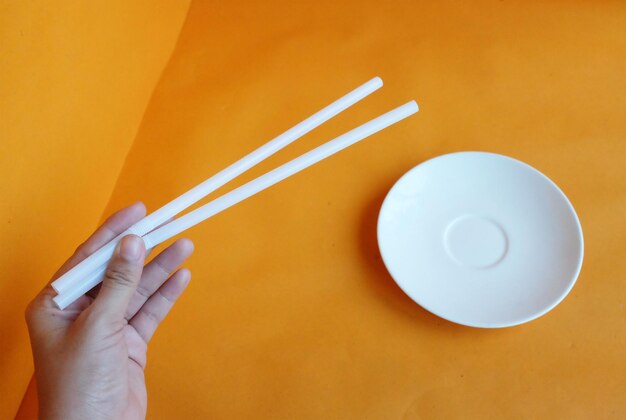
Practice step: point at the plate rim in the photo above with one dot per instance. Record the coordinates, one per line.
(489, 325)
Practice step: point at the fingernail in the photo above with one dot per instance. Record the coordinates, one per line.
(131, 248)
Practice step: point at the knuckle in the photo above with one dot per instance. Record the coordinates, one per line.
(28, 313)
(119, 275)
(83, 251)
(80, 250)
(102, 324)
(95, 320)
(32, 310)
(152, 317)
(143, 292)
(86, 249)
(167, 299)
(165, 270)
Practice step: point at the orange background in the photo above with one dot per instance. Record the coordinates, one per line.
(291, 313)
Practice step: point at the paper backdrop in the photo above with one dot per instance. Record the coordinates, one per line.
(291, 313)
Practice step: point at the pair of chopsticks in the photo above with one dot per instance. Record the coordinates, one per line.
(90, 272)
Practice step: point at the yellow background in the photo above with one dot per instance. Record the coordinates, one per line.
(291, 313)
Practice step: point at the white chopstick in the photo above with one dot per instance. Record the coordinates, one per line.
(249, 189)
(77, 274)
(292, 167)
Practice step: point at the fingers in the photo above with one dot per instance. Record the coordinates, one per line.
(117, 223)
(157, 272)
(121, 278)
(159, 304)
(94, 292)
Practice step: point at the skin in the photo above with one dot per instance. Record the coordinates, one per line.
(90, 358)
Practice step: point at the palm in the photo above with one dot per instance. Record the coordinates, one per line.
(117, 355)
(135, 363)
(119, 358)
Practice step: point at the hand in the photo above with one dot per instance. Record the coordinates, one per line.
(90, 357)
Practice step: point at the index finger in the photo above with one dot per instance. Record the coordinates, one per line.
(117, 223)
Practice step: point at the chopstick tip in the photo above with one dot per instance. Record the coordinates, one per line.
(412, 106)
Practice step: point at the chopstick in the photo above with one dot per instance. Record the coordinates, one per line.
(286, 170)
(249, 189)
(74, 277)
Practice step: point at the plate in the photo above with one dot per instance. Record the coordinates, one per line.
(480, 239)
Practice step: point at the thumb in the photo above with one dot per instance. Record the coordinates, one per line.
(121, 278)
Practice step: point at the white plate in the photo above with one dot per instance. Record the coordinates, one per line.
(480, 239)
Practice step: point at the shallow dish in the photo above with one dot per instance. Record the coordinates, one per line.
(480, 239)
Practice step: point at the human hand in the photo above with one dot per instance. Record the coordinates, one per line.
(90, 357)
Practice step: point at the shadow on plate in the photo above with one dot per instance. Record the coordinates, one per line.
(383, 284)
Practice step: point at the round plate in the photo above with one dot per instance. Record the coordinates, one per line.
(480, 239)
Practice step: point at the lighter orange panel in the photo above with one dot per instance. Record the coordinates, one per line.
(75, 79)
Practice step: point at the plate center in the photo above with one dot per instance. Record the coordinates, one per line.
(475, 241)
